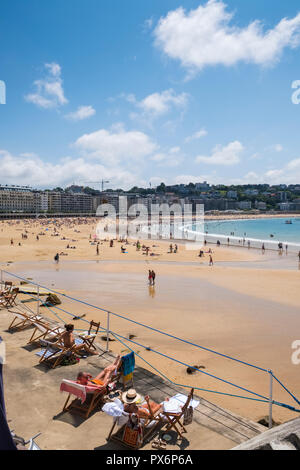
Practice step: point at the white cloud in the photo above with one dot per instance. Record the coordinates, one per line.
(158, 104)
(227, 155)
(83, 112)
(278, 148)
(197, 135)
(116, 145)
(49, 92)
(207, 36)
(35, 172)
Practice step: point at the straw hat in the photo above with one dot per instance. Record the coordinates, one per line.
(130, 396)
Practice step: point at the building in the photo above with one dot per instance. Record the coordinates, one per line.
(16, 199)
(76, 203)
(260, 205)
(54, 202)
(232, 194)
(245, 205)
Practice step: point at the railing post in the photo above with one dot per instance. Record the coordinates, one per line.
(38, 300)
(271, 400)
(107, 332)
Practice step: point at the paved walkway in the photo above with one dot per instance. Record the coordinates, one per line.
(34, 403)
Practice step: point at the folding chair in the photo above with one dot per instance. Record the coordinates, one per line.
(9, 300)
(7, 288)
(86, 340)
(44, 331)
(53, 351)
(88, 398)
(174, 418)
(149, 421)
(25, 320)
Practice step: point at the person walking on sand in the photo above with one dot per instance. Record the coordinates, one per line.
(56, 258)
(150, 278)
(263, 247)
(153, 278)
(97, 249)
(211, 263)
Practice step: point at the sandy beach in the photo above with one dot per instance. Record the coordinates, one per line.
(246, 305)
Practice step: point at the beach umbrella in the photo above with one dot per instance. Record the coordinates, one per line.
(6, 441)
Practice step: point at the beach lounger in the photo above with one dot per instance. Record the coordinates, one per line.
(25, 320)
(86, 340)
(87, 397)
(174, 419)
(44, 330)
(150, 422)
(53, 353)
(9, 300)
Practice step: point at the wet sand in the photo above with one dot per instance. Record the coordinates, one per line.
(250, 314)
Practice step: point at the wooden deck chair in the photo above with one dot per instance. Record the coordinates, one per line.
(53, 353)
(174, 418)
(86, 340)
(128, 437)
(87, 399)
(7, 288)
(22, 320)
(9, 300)
(150, 421)
(44, 330)
(127, 381)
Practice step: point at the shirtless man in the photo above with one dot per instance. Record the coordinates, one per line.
(68, 339)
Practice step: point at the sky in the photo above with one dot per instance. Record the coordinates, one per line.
(144, 92)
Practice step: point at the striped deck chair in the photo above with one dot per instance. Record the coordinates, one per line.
(22, 320)
(87, 397)
(44, 330)
(53, 353)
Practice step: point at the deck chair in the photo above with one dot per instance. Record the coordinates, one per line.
(87, 398)
(86, 340)
(7, 288)
(53, 353)
(9, 300)
(127, 381)
(150, 421)
(44, 330)
(174, 419)
(25, 320)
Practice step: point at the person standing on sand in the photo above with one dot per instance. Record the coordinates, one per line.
(56, 258)
(263, 248)
(211, 263)
(153, 278)
(150, 278)
(97, 249)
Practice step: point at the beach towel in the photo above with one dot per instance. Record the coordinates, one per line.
(175, 404)
(128, 364)
(76, 389)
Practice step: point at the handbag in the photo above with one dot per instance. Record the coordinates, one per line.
(188, 416)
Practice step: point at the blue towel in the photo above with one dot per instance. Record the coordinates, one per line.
(128, 363)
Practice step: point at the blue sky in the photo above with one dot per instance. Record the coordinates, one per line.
(149, 91)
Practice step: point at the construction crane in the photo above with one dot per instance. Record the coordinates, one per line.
(102, 183)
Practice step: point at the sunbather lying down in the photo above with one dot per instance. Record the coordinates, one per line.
(102, 379)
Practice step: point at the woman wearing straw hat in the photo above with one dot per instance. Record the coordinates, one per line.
(130, 399)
